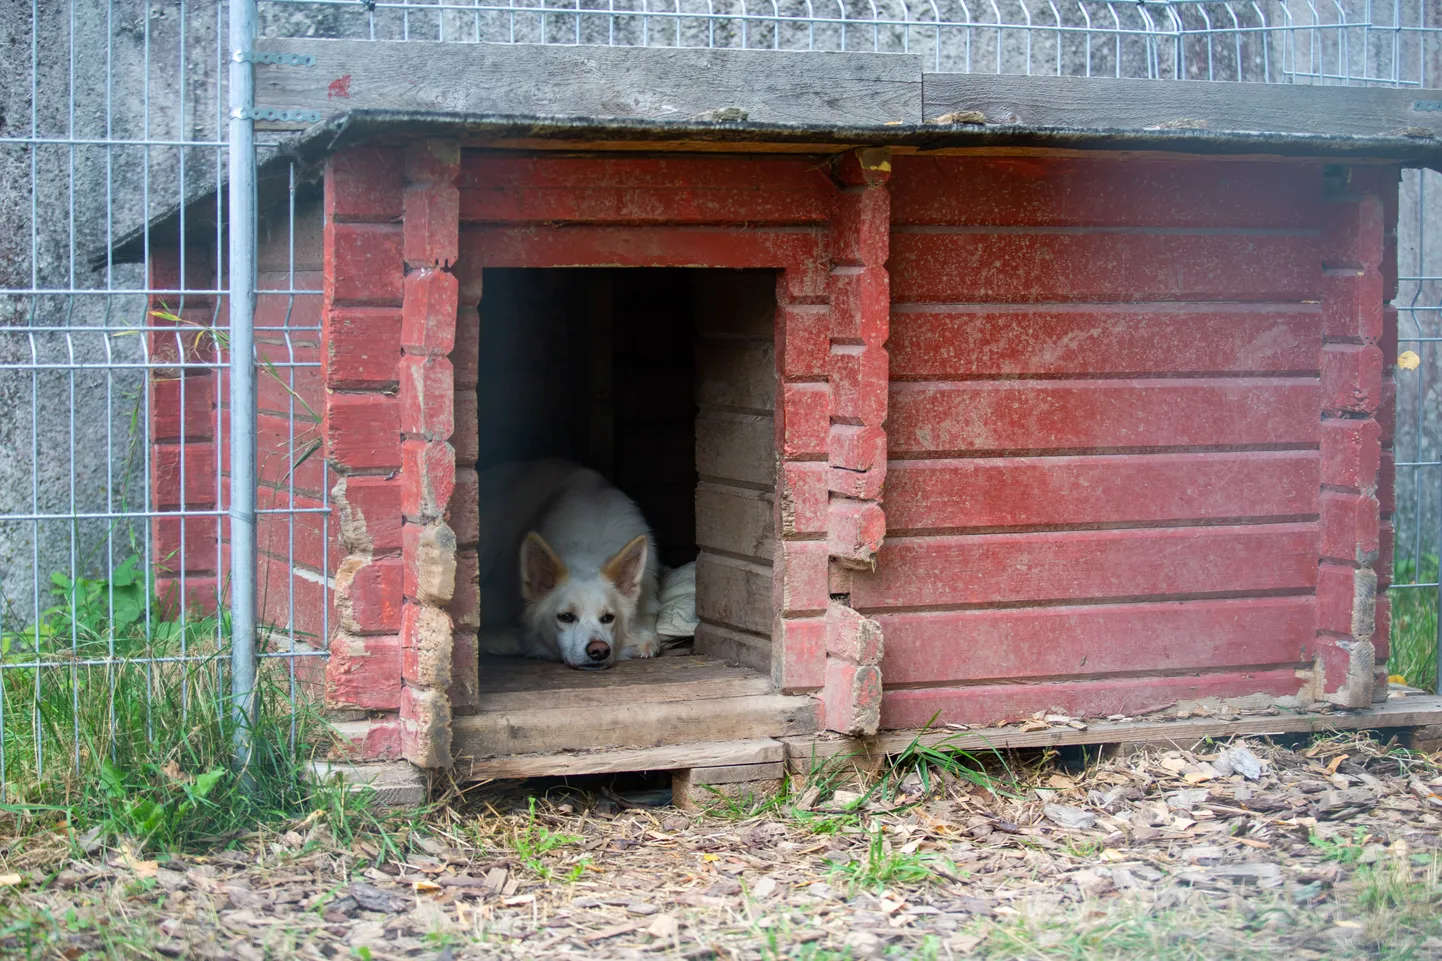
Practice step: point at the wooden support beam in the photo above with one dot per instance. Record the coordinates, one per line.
(806, 754)
(1105, 103)
(711, 754)
(652, 83)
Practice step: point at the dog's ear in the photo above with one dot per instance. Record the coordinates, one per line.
(541, 569)
(626, 567)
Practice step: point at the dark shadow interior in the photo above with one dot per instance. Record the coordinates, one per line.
(663, 380)
(597, 366)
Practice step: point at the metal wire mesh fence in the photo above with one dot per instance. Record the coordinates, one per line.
(117, 489)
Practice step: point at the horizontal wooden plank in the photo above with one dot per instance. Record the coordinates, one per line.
(1059, 642)
(980, 340)
(1124, 265)
(736, 374)
(644, 190)
(1074, 565)
(641, 724)
(801, 248)
(975, 416)
(735, 647)
(1104, 192)
(713, 680)
(983, 492)
(734, 303)
(733, 592)
(735, 520)
(738, 447)
(550, 80)
(805, 753)
(1107, 103)
(989, 703)
(736, 773)
(666, 758)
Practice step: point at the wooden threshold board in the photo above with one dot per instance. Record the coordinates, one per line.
(804, 754)
(539, 708)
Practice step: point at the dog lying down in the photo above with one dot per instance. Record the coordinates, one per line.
(568, 568)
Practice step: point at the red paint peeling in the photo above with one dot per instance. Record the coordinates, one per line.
(339, 87)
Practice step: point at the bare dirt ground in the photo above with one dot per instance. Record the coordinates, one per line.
(1324, 849)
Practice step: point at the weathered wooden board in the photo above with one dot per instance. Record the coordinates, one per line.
(1019, 415)
(925, 647)
(560, 245)
(735, 520)
(651, 83)
(735, 647)
(956, 341)
(1124, 265)
(1083, 697)
(666, 758)
(1083, 565)
(1104, 192)
(992, 492)
(554, 725)
(682, 685)
(1104, 103)
(643, 190)
(736, 375)
(1411, 711)
(736, 773)
(739, 304)
(737, 447)
(734, 592)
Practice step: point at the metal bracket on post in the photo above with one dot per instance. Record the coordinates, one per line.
(276, 58)
(278, 114)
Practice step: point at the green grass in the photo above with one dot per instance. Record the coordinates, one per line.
(1341, 850)
(1414, 623)
(883, 865)
(139, 746)
(534, 842)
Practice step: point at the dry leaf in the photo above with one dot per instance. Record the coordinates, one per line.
(1034, 725)
(665, 926)
(1408, 360)
(10, 880)
(710, 858)
(426, 887)
(145, 869)
(518, 900)
(764, 888)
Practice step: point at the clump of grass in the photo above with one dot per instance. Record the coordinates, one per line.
(534, 841)
(1414, 623)
(884, 865)
(117, 721)
(1341, 850)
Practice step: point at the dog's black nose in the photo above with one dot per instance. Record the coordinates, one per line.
(598, 650)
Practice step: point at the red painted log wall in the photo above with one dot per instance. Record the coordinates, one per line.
(1105, 478)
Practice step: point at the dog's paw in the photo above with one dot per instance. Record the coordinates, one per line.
(641, 644)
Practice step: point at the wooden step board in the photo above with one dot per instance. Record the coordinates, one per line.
(756, 759)
(539, 708)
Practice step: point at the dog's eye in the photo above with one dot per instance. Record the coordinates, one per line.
(566, 617)
(607, 618)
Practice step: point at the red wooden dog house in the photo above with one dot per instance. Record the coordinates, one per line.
(971, 429)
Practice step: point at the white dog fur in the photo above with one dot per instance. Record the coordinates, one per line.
(568, 567)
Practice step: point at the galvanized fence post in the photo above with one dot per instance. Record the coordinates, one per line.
(242, 286)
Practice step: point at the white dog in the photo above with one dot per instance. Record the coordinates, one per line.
(568, 568)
